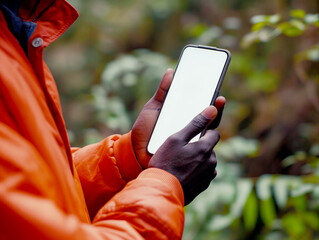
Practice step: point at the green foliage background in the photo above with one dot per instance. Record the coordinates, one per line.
(112, 59)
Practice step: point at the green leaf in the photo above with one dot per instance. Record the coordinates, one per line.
(250, 212)
(311, 219)
(258, 26)
(299, 203)
(290, 29)
(267, 211)
(298, 13)
(294, 225)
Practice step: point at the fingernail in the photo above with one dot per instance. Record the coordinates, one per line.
(210, 112)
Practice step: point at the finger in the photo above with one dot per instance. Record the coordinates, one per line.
(164, 86)
(208, 141)
(219, 104)
(213, 161)
(198, 124)
(210, 169)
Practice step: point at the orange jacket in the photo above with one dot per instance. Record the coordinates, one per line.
(47, 190)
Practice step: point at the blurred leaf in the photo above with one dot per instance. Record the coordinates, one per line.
(250, 212)
(298, 24)
(209, 35)
(293, 28)
(311, 219)
(299, 202)
(298, 13)
(262, 35)
(267, 211)
(265, 18)
(258, 26)
(312, 19)
(293, 225)
(311, 54)
(273, 18)
(237, 147)
(302, 190)
(244, 188)
(220, 222)
(263, 187)
(281, 191)
(115, 69)
(297, 157)
(258, 19)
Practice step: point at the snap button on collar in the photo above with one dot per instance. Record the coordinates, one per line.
(37, 42)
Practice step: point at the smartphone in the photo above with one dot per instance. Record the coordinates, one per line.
(196, 84)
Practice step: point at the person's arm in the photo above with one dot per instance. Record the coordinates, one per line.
(149, 207)
(104, 168)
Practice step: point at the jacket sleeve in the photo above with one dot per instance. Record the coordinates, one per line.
(104, 168)
(149, 207)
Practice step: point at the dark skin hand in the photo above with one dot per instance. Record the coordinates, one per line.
(145, 122)
(194, 164)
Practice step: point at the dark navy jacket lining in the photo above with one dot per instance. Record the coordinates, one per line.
(22, 30)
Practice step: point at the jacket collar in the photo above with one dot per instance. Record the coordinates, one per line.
(52, 17)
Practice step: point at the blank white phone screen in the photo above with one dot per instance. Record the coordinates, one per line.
(192, 89)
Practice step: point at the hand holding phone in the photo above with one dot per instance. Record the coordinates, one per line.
(196, 83)
(193, 164)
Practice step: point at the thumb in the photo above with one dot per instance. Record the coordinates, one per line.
(198, 123)
(164, 86)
